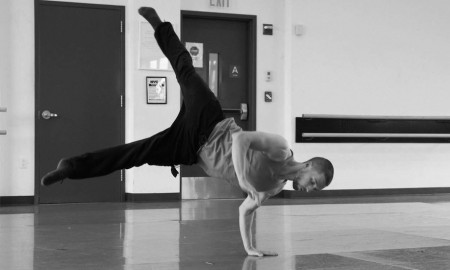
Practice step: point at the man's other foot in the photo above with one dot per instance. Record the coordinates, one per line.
(150, 15)
(62, 172)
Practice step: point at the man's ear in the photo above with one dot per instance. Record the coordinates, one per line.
(309, 166)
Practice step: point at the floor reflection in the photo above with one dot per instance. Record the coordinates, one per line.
(17, 241)
(205, 235)
(152, 236)
(68, 236)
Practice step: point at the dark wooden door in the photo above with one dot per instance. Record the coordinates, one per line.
(226, 45)
(80, 79)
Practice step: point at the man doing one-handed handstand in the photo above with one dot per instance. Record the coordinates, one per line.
(260, 163)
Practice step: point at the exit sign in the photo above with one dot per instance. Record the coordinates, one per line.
(219, 3)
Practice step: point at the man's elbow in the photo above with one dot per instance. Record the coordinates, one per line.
(240, 140)
(247, 210)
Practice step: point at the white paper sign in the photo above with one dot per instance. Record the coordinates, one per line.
(150, 55)
(156, 90)
(196, 51)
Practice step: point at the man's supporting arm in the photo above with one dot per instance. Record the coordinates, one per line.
(275, 147)
(246, 217)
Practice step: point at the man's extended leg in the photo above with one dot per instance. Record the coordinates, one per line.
(199, 114)
(151, 150)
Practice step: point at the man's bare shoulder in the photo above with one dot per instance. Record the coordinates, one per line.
(272, 145)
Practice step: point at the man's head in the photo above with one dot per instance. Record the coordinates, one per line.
(316, 174)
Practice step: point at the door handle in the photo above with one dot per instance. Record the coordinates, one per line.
(243, 111)
(47, 115)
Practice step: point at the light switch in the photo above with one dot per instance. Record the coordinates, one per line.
(267, 29)
(268, 96)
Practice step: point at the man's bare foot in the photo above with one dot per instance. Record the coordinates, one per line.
(151, 16)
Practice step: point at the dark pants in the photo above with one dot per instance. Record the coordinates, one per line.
(200, 112)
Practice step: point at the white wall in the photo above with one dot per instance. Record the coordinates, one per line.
(4, 84)
(150, 119)
(17, 93)
(379, 57)
(355, 57)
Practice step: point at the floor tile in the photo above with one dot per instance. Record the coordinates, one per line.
(396, 233)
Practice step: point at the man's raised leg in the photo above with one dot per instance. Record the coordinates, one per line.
(203, 110)
(171, 46)
(176, 145)
(194, 89)
(154, 150)
(151, 16)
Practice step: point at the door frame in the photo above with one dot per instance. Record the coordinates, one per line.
(37, 130)
(251, 23)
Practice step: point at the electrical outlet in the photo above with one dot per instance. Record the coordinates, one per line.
(268, 76)
(23, 164)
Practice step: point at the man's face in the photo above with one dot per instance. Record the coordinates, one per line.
(309, 181)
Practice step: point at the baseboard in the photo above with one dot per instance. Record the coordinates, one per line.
(152, 197)
(16, 200)
(287, 194)
(363, 192)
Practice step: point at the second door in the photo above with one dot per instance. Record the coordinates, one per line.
(223, 50)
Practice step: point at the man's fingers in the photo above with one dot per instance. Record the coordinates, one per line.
(269, 253)
(259, 253)
(255, 253)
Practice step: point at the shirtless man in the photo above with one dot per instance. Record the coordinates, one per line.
(259, 163)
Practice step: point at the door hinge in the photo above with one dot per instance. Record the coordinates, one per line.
(121, 26)
(121, 101)
(121, 175)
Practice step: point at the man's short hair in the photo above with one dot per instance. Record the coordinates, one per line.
(323, 165)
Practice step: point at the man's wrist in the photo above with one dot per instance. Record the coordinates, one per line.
(248, 247)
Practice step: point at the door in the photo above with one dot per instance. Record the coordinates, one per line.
(223, 48)
(79, 94)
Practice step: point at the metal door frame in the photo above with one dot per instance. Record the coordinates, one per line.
(37, 4)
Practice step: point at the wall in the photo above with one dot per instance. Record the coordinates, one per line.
(355, 57)
(17, 93)
(367, 57)
(149, 119)
(4, 84)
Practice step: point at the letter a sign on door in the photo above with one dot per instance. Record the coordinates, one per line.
(234, 71)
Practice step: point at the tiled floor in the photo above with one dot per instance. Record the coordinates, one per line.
(363, 233)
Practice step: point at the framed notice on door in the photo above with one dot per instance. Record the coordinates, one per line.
(156, 90)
